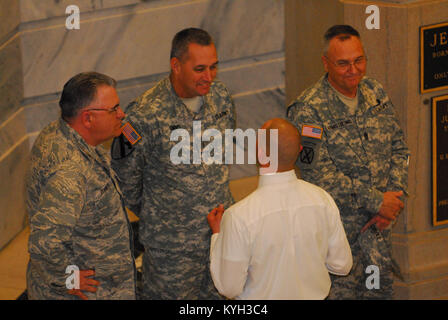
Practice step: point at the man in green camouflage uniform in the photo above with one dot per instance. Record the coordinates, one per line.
(76, 210)
(173, 200)
(354, 148)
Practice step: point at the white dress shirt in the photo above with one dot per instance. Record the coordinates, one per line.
(280, 242)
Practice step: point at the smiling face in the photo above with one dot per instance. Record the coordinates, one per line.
(193, 74)
(340, 52)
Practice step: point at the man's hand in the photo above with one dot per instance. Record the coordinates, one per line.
(380, 222)
(392, 205)
(85, 284)
(214, 218)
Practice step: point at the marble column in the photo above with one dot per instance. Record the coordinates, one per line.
(420, 249)
(130, 41)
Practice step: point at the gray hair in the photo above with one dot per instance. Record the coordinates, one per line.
(342, 32)
(80, 91)
(183, 38)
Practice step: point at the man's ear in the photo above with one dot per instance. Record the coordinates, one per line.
(86, 119)
(175, 65)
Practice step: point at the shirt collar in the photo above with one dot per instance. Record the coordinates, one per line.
(169, 86)
(97, 153)
(276, 178)
(178, 101)
(331, 94)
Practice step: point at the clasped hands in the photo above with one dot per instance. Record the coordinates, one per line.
(389, 211)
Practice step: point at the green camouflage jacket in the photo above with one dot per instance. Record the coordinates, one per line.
(173, 200)
(77, 217)
(354, 158)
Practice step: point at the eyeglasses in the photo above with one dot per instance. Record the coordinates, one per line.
(110, 110)
(345, 64)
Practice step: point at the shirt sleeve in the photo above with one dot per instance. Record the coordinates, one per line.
(229, 257)
(51, 226)
(339, 259)
(398, 177)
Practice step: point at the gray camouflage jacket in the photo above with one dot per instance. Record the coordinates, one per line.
(77, 217)
(172, 200)
(357, 158)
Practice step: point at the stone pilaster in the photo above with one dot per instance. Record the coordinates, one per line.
(420, 249)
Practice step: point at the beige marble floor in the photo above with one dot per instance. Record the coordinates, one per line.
(13, 261)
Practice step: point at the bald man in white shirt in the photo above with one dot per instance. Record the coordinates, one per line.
(282, 240)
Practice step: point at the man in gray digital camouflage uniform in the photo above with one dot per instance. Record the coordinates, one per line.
(173, 199)
(354, 148)
(76, 210)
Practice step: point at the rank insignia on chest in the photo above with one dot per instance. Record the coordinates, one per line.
(130, 133)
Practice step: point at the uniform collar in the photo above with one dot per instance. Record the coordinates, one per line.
(177, 101)
(338, 107)
(96, 153)
(276, 178)
(169, 87)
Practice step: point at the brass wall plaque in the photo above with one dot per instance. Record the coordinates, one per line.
(434, 57)
(440, 160)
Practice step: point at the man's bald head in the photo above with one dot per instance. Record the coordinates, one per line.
(288, 142)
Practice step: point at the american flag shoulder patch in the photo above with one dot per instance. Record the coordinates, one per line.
(130, 133)
(312, 131)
